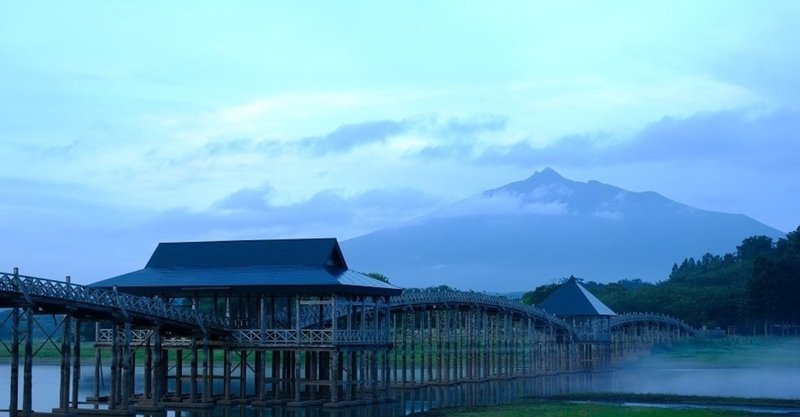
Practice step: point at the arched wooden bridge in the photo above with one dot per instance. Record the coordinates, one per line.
(435, 338)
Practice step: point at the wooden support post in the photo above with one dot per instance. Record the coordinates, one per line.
(226, 369)
(27, 377)
(296, 358)
(66, 338)
(148, 368)
(207, 371)
(259, 375)
(113, 396)
(333, 376)
(76, 363)
(127, 368)
(13, 398)
(275, 375)
(160, 363)
(403, 348)
(413, 329)
(178, 374)
(193, 372)
(423, 351)
(242, 374)
(97, 363)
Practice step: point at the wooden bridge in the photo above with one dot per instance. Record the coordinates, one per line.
(431, 338)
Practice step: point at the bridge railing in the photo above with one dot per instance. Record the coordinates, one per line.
(628, 318)
(28, 287)
(469, 298)
(310, 337)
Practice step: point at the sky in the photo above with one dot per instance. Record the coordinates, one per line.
(123, 124)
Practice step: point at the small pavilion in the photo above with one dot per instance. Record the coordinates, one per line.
(587, 314)
(308, 328)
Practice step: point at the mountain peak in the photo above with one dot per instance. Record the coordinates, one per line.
(546, 175)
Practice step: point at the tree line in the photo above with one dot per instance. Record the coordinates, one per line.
(756, 288)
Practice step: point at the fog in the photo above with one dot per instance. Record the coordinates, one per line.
(753, 368)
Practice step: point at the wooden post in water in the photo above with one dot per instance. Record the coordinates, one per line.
(157, 383)
(127, 367)
(97, 364)
(208, 373)
(148, 368)
(113, 398)
(178, 375)
(64, 391)
(76, 364)
(13, 397)
(193, 372)
(27, 377)
(226, 369)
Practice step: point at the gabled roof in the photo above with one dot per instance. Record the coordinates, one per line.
(247, 253)
(284, 265)
(572, 299)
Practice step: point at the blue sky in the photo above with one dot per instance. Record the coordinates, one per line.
(127, 123)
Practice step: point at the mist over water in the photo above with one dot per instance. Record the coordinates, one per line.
(722, 382)
(748, 368)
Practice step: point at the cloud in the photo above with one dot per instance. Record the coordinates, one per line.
(429, 128)
(735, 136)
(249, 213)
(503, 203)
(347, 137)
(246, 199)
(473, 125)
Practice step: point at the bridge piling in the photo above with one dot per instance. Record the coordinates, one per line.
(27, 377)
(76, 364)
(13, 405)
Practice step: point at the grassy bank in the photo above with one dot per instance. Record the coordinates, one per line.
(750, 352)
(568, 409)
(614, 397)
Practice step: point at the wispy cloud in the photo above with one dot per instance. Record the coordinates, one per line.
(347, 137)
(249, 212)
(732, 135)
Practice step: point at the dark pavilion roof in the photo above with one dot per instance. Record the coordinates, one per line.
(277, 266)
(572, 299)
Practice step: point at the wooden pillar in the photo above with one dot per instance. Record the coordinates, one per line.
(148, 367)
(403, 348)
(160, 364)
(208, 372)
(27, 376)
(127, 367)
(275, 375)
(113, 395)
(13, 397)
(226, 370)
(97, 363)
(259, 375)
(179, 374)
(193, 372)
(66, 338)
(413, 329)
(76, 363)
(297, 370)
(242, 374)
(333, 375)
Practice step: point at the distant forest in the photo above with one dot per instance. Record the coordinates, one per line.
(756, 289)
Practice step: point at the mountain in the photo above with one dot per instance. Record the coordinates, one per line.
(530, 232)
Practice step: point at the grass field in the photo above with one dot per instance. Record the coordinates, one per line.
(750, 352)
(571, 409)
(563, 409)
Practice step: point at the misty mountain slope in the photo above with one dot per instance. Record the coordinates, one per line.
(529, 232)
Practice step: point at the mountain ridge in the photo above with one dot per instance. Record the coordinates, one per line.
(544, 227)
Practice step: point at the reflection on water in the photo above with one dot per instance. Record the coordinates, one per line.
(723, 382)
